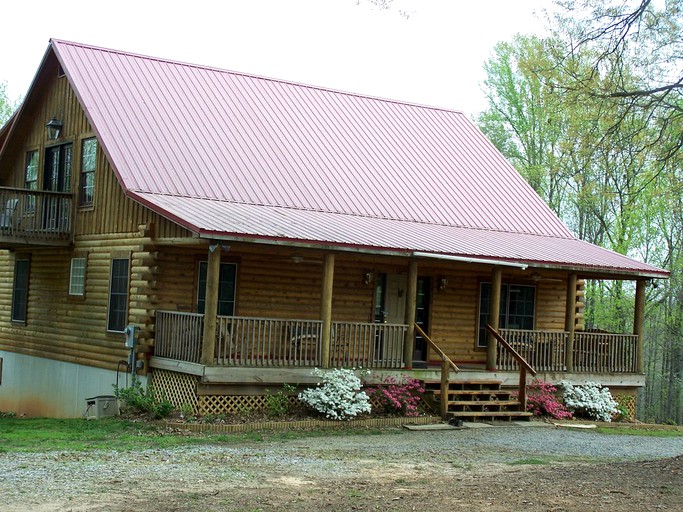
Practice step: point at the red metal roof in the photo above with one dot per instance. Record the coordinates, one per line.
(230, 154)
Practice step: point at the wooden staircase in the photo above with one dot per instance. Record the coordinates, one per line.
(476, 400)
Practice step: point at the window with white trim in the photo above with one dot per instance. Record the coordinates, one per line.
(77, 277)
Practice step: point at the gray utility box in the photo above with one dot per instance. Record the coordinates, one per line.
(101, 407)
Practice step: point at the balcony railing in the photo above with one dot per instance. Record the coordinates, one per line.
(35, 217)
(269, 342)
(593, 352)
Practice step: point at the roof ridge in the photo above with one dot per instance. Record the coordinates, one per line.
(253, 75)
(357, 215)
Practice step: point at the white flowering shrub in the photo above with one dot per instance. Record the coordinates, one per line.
(339, 396)
(590, 400)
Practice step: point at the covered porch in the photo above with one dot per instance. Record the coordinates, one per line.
(246, 342)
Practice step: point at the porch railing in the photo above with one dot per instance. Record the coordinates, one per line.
(593, 352)
(247, 341)
(367, 345)
(268, 342)
(179, 335)
(596, 352)
(543, 350)
(36, 216)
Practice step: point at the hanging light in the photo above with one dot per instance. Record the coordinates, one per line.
(54, 128)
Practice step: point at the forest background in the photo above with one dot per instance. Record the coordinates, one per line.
(592, 117)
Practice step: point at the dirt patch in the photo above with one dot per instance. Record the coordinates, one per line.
(386, 472)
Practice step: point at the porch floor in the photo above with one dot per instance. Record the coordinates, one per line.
(302, 375)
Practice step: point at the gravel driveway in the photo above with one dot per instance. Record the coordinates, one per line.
(335, 472)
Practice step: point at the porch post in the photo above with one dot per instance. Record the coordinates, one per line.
(326, 309)
(213, 269)
(411, 304)
(570, 322)
(494, 315)
(638, 321)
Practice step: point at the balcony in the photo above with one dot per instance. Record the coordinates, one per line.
(35, 218)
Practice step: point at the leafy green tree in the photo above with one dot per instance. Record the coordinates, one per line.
(7, 107)
(593, 160)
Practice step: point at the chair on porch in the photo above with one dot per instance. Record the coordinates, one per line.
(7, 216)
(305, 340)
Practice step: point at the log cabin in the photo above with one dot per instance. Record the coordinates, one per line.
(216, 232)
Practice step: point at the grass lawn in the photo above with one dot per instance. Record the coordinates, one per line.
(42, 435)
(39, 435)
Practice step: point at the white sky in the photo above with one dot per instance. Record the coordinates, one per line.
(435, 57)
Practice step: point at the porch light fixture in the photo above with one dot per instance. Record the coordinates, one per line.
(368, 277)
(297, 258)
(54, 128)
(443, 283)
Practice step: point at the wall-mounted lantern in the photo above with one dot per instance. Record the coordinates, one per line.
(54, 128)
(368, 277)
(443, 283)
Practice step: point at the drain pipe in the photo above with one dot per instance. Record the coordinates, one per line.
(470, 259)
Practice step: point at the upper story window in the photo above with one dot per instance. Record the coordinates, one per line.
(517, 308)
(88, 159)
(31, 178)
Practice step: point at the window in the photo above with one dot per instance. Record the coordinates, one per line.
(118, 295)
(31, 178)
(226, 289)
(517, 308)
(20, 290)
(88, 158)
(77, 277)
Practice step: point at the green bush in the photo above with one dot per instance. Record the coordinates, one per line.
(141, 401)
(277, 404)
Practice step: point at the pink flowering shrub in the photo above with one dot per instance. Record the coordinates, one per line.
(542, 400)
(401, 397)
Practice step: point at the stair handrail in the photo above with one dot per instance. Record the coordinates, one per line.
(446, 365)
(524, 367)
(441, 353)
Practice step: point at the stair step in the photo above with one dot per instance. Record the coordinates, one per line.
(474, 392)
(469, 403)
(497, 414)
(490, 382)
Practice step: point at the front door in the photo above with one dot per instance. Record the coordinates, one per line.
(390, 305)
(422, 319)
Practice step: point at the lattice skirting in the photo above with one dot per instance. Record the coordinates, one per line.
(178, 388)
(628, 402)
